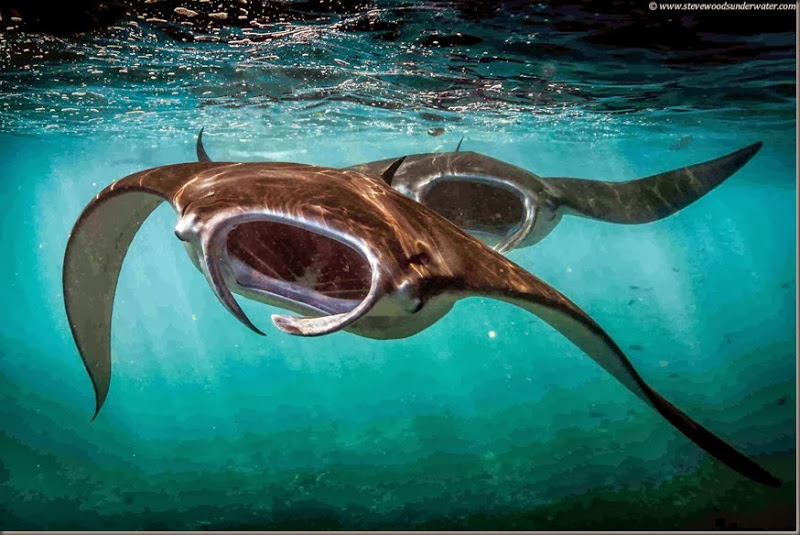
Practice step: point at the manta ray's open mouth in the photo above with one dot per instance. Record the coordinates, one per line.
(300, 265)
(476, 206)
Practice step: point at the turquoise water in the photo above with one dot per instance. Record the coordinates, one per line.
(208, 426)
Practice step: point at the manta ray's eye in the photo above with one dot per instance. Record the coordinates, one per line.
(298, 265)
(476, 206)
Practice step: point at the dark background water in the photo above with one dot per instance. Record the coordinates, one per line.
(440, 59)
(209, 428)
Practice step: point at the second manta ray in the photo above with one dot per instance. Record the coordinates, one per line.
(340, 247)
(507, 207)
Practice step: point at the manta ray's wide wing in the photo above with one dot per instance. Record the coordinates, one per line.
(93, 259)
(519, 287)
(646, 199)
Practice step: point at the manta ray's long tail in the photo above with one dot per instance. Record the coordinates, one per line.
(523, 289)
(646, 199)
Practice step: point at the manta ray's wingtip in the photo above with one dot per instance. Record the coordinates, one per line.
(101, 382)
(100, 393)
(754, 148)
(734, 161)
(761, 475)
(728, 165)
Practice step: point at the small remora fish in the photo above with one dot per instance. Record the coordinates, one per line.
(340, 247)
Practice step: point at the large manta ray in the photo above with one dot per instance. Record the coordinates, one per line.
(506, 206)
(340, 247)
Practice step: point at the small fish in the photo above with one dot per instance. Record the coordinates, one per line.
(727, 338)
(438, 131)
(636, 347)
(682, 143)
(632, 301)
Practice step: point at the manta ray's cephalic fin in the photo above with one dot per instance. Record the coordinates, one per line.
(523, 289)
(202, 155)
(213, 244)
(317, 326)
(526, 226)
(645, 199)
(96, 248)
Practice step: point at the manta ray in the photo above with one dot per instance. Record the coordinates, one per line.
(506, 206)
(338, 247)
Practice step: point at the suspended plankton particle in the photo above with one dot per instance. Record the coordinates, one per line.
(185, 12)
(492, 334)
